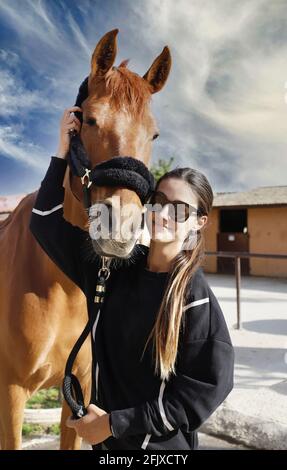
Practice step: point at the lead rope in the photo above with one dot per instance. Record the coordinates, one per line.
(71, 387)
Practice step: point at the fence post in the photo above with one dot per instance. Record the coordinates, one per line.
(238, 282)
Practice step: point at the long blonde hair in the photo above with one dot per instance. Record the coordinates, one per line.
(170, 318)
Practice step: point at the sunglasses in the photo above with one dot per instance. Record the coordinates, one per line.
(178, 211)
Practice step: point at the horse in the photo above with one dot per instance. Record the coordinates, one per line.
(42, 311)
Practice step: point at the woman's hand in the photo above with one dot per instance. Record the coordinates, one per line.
(94, 427)
(68, 122)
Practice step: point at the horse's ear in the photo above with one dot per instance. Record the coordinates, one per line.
(158, 72)
(104, 54)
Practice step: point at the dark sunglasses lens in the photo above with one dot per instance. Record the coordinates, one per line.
(156, 200)
(180, 212)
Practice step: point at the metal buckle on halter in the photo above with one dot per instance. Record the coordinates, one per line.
(86, 175)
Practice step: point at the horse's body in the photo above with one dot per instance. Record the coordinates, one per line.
(42, 312)
(41, 315)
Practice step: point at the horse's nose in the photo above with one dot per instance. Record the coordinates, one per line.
(114, 221)
(101, 220)
(121, 222)
(109, 221)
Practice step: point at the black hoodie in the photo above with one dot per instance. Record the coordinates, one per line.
(145, 412)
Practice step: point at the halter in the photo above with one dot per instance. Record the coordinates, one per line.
(118, 171)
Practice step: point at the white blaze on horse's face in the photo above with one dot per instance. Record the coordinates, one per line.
(135, 137)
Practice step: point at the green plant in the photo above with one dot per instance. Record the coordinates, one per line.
(30, 429)
(46, 398)
(161, 167)
(53, 429)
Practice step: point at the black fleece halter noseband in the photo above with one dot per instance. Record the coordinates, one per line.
(118, 171)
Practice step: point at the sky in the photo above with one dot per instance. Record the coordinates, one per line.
(223, 110)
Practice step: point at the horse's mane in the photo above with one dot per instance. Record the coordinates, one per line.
(127, 88)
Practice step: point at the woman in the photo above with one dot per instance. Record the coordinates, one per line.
(162, 355)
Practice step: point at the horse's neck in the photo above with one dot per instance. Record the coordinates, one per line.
(73, 209)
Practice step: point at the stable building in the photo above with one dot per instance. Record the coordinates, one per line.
(252, 221)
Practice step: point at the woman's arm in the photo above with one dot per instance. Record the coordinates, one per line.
(188, 399)
(61, 240)
(185, 402)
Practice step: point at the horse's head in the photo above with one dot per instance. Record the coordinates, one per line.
(117, 121)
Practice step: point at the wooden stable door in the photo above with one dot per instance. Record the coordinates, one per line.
(233, 236)
(232, 242)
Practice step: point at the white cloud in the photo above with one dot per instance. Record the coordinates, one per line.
(77, 33)
(17, 100)
(30, 18)
(13, 146)
(9, 58)
(227, 86)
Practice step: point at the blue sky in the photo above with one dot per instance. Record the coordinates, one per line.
(223, 110)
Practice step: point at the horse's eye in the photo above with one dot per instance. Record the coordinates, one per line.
(155, 136)
(91, 121)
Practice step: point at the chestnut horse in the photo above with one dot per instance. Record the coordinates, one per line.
(42, 312)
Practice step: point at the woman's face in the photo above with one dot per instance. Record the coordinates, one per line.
(161, 226)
